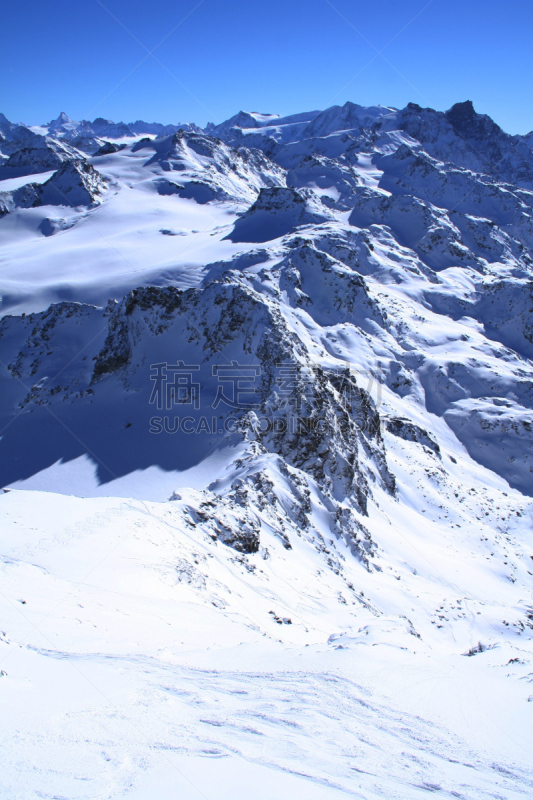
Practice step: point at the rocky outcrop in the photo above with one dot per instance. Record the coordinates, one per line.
(407, 430)
(75, 183)
(108, 148)
(276, 212)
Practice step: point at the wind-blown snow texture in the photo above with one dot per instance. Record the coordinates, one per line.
(321, 586)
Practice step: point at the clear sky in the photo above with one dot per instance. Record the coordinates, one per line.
(203, 60)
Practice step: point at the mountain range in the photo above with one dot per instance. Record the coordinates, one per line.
(266, 437)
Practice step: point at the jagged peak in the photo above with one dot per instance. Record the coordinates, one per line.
(62, 123)
(464, 109)
(463, 116)
(102, 121)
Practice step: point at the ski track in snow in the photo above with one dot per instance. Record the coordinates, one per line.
(321, 727)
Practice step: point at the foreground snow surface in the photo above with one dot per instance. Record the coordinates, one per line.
(140, 661)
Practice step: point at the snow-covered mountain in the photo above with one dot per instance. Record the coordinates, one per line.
(40, 155)
(13, 136)
(161, 130)
(266, 433)
(63, 127)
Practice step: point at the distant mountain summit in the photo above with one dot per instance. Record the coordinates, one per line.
(63, 124)
(161, 130)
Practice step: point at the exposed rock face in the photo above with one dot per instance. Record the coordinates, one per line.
(412, 433)
(327, 430)
(276, 212)
(108, 148)
(75, 183)
(87, 144)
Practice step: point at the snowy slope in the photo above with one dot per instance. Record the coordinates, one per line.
(153, 657)
(266, 430)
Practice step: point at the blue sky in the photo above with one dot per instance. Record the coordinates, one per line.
(215, 57)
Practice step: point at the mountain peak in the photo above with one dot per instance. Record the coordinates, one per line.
(61, 119)
(462, 111)
(480, 127)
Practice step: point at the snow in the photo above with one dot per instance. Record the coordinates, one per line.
(129, 693)
(121, 247)
(342, 611)
(40, 130)
(15, 183)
